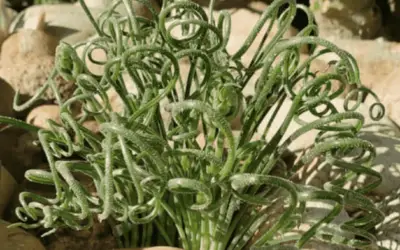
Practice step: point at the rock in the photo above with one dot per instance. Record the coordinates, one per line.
(97, 54)
(319, 245)
(376, 59)
(8, 185)
(66, 22)
(347, 19)
(320, 67)
(27, 43)
(116, 102)
(3, 36)
(6, 99)
(28, 73)
(18, 152)
(242, 22)
(313, 174)
(6, 15)
(387, 91)
(382, 134)
(39, 115)
(26, 61)
(33, 39)
(316, 211)
(307, 139)
(24, 185)
(388, 232)
(17, 239)
(95, 3)
(387, 162)
(92, 125)
(139, 8)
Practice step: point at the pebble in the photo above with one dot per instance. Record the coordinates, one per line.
(41, 114)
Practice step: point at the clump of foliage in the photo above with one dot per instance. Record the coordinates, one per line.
(153, 182)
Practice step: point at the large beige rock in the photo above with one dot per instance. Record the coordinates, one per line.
(139, 8)
(17, 239)
(243, 20)
(387, 162)
(388, 232)
(27, 59)
(28, 42)
(96, 54)
(41, 114)
(315, 211)
(6, 15)
(66, 22)
(350, 19)
(382, 134)
(376, 59)
(387, 89)
(307, 139)
(28, 73)
(69, 22)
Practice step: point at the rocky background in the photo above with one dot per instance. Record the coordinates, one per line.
(368, 29)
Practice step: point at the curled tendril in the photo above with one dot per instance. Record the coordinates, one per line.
(150, 175)
(68, 64)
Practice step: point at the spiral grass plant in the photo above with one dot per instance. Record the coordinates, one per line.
(154, 183)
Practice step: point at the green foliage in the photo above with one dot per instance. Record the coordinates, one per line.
(154, 183)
